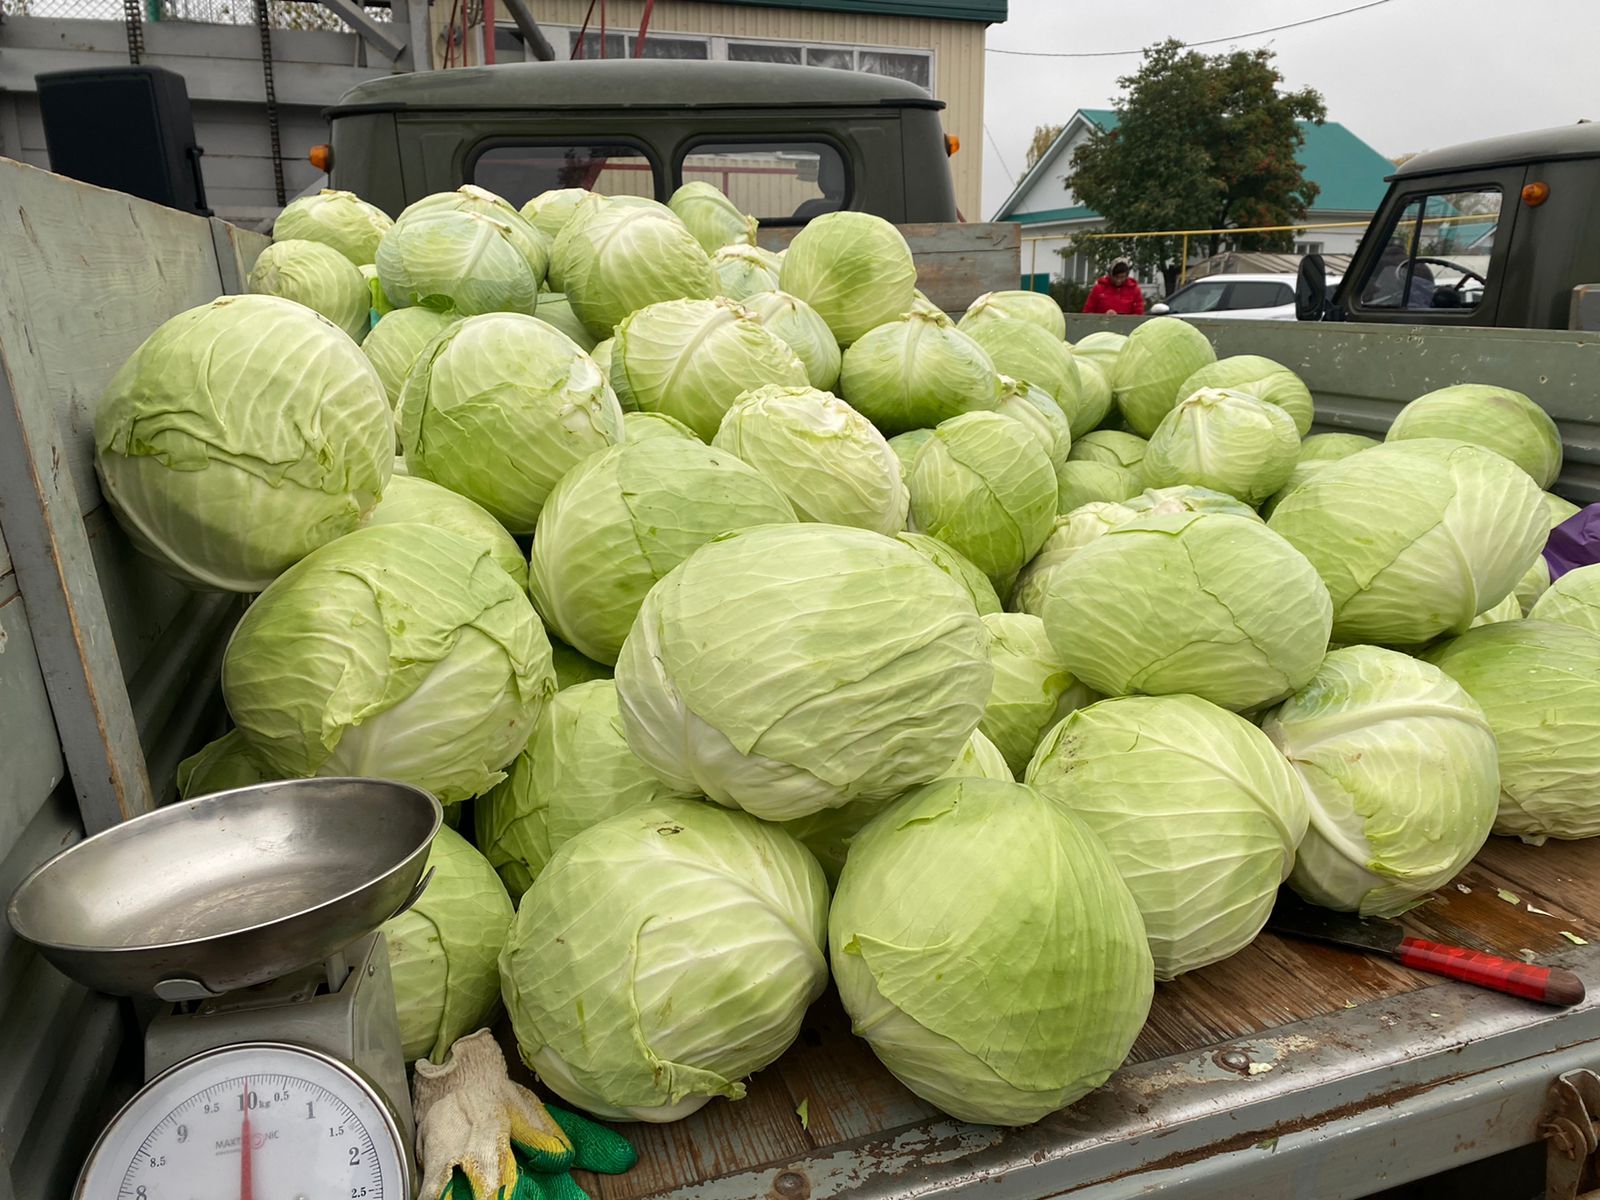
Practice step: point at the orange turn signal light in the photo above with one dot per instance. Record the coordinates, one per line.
(321, 156)
(951, 144)
(1535, 194)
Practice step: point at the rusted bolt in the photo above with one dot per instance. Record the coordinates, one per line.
(1236, 1061)
(791, 1185)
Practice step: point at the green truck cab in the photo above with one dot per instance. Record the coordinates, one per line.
(1498, 232)
(785, 143)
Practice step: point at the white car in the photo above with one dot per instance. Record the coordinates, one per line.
(1235, 298)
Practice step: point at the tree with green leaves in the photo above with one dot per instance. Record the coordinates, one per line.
(1202, 142)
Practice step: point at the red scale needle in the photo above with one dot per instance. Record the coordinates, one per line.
(246, 1185)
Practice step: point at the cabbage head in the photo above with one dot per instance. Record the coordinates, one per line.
(663, 955)
(602, 359)
(1508, 609)
(744, 271)
(1538, 682)
(573, 668)
(1174, 603)
(549, 212)
(691, 359)
(1399, 766)
(1102, 349)
(575, 771)
(1094, 393)
(1034, 307)
(1085, 481)
(341, 220)
(613, 259)
(983, 485)
(956, 565)
(806, 333)
(411, 499)
(1152, 367)
(622, 519)
(1187, 497)
(1200, 812)
(240, 436)
(1536, 579)
(793, 668)
(1303, 471)
(853, 268)
(444, 951)
(1126, 450)
(1327, 447)
(1496, 418)
(714, 220)
(1071, 532)
(397, 652)
(906, 445)
(530, 243)
(219, 766)
(1227, 441)
(555, 310)
(1033, 689)
(1023, 351)
(998, 995)
(1574, 599)
(913, 372)
(1414, 539)
(921, 304)
(317, 276)
(455, 260)
(824, 456)
(642, 426)
(398, 340)
(1259, 377)
(1039, 415)
(499, 407)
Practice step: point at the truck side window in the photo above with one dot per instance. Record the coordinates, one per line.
(521, 172)
(777, 182)
(1436, 254)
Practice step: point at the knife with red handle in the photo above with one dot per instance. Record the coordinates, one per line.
(1548, 985)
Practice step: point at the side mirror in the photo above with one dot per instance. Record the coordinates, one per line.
(1159, 308)
(1311, 290)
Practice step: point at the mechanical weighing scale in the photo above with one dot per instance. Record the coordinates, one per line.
(275, 1070)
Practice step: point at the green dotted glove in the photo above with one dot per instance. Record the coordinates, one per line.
(479, 1135)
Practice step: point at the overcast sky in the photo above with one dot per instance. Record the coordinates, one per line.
(1405, 76)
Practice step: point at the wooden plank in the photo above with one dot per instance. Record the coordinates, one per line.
(32, 756)
(956, 262)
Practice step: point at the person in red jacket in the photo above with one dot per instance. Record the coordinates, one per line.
(1116, 293)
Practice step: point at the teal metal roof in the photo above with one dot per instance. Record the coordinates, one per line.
(990, 12)
(1350, 174)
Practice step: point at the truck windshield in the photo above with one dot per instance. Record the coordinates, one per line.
(520, 172)
(1436, 254)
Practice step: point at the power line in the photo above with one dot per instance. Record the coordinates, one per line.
(1343, 12)
(1000, 157)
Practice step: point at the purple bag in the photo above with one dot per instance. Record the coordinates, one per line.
(1574, 543)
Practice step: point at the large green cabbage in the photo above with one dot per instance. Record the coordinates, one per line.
(397, 652)
(1258, 377)
(499, 407)
(1032, 687)
(554, 309)
(1324, 447)
(398, 340)
(618, 522)
(549, 212)
(998, 994)
(807, 334)
(613, 259)
(1023, 351)
(458, 260)
(1151, 368)
(1094, 392)
(338, 219)
(663, 955)
(1497, 418)
(317, 276)
(984, 485)
(1034, 307)
(240, 436)
(1085, 481)
(829, 461)
(1126, 450)
(1071, 532)
(691, 359)
(1538, 682)
(1201, 814)
(913, 372)
(1188, 497)
(744, 271)
(575, 771)
(1414, 539)
(220, 766)
(444, 951)
(533, 245)
(1224, 440)
(1574, 599)
(714, 220)
(1399, 766)
(956, 565)
(1102, 348)
(853, 268)
(1207, 603)
(409, 498)
(1039, 415)
(799, 667)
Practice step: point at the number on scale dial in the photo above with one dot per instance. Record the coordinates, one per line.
(259, 1122)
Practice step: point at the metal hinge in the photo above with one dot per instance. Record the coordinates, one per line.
(1571, 1138)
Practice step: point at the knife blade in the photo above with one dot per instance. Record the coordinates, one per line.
(1548, 985)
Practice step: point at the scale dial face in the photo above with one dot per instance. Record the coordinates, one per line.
(260, 1121)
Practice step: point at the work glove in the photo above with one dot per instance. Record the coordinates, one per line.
(482, 1137)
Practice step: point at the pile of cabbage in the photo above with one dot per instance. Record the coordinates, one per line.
(761, 625)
